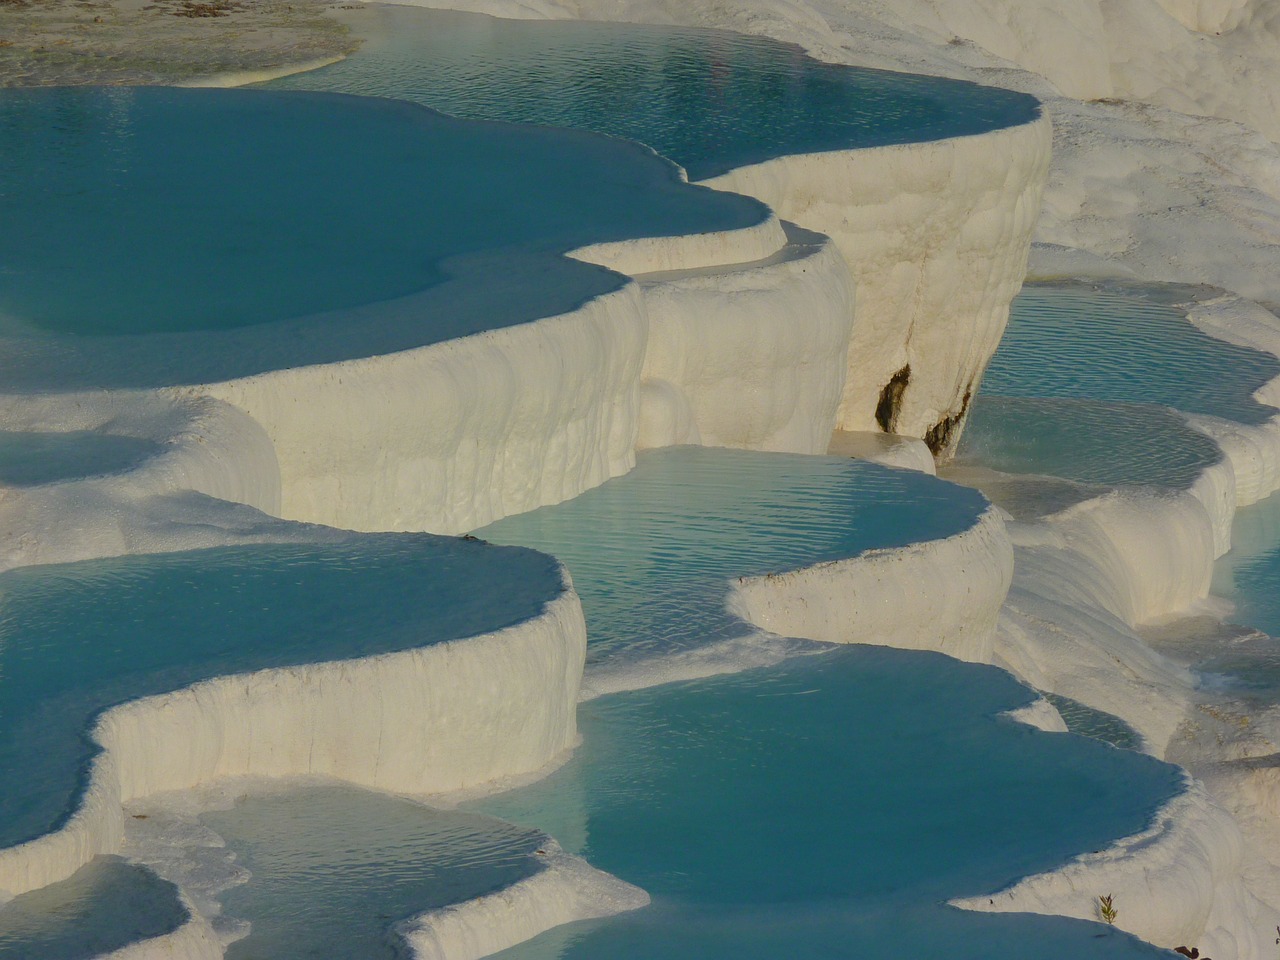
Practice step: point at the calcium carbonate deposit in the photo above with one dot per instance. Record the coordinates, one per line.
(629, 283)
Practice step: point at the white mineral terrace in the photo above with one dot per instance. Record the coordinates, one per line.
(446, 438)
(920, 251)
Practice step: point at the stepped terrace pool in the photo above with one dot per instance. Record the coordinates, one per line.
(839, 797)
(652, 553)
(78, 638)
(1090, 382)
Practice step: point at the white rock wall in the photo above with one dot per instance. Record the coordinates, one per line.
(936, 236)
(452, 436)
(751, 357)
(440, 718)
(942, 595)
(567, 888)
(690, 251)
(1176, 884)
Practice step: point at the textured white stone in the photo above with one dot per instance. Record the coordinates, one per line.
(567, 888)
(1177, 883)
(942, 595)
(451, 436)
(889, 449)
(755, 355)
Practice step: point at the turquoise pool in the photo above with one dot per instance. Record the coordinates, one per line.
(828, 807)
(78, 638)
(154, 210)
(709, 100)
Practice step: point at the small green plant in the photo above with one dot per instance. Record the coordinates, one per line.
(1107, 910)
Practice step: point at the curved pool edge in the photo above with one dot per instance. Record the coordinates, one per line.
(941, 595)
(1170, 883)
(299, 720)
(565, 890)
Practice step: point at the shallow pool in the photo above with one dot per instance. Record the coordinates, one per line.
(1090, 380)
(34, 458)
(334, 868)
(1124, 343)
(104, 906)
(1249, 576)
(652, 553)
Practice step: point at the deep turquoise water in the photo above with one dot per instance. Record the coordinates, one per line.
(146, 210)
(333, 867)
(828, 807)
(78, 638)
(652, 553)
(709, 100)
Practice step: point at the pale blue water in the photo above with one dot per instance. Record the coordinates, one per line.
(1086, 380)
(828, 807)
(106, 905)
(652, 553)
(78, 638)
(707, 99)
(1087, 441)
(145, 210)
(334, 867)
(1249, 574)
(1124, 343)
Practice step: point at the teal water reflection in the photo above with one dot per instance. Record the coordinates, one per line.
(156, 210)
